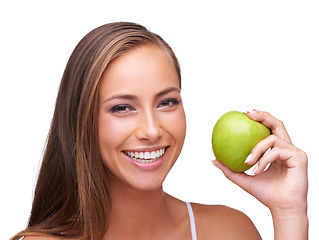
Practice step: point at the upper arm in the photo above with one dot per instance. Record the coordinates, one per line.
(220, 222)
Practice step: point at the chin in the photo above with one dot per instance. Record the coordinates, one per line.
(147, 184)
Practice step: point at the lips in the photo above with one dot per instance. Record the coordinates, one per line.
(145, 156)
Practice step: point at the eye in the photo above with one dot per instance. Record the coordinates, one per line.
(121, 109)
(169, 102)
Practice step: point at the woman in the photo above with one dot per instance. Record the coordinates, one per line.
(118, 128)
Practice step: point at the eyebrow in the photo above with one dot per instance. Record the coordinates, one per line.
(134, 97)
(168, 90)
(121, 96)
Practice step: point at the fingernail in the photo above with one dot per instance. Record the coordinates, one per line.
(255, 169)
(253, 111)
(248, 158)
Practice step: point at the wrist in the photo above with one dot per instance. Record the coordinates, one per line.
(290, 223)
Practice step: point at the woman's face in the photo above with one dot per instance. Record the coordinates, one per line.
(141, 120)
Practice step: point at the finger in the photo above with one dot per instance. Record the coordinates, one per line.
(276, 126)
(272, 156)
(264, 145)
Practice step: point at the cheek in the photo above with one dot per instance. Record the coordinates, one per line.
(177, 126)
(182, 126)
(111, 134)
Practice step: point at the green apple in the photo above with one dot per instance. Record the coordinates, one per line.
(234, 136)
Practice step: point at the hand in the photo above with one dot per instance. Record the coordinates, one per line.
(283, 186)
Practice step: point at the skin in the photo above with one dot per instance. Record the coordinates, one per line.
(140, 208)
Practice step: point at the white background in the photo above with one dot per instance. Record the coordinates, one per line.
(234, 55)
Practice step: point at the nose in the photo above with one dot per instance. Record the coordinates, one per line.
(149, 128)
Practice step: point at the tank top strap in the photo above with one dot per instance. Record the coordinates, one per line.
(192, 220)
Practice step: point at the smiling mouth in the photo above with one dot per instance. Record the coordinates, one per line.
(146, 157)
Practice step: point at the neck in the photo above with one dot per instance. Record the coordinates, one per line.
(136, 212)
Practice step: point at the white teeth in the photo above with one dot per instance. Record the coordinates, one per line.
(146, 157)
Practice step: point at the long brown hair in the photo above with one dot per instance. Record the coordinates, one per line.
(71, 198)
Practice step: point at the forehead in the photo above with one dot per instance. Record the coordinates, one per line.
(147, 66)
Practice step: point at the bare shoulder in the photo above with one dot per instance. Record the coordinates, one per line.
(221, 222)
